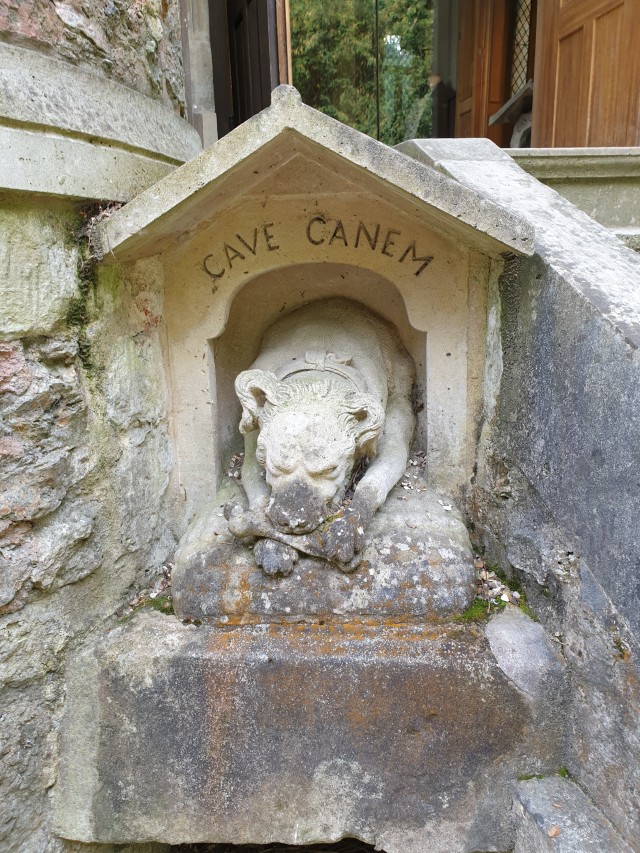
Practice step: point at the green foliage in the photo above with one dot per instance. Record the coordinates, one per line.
(333, 49)
(564, 772)
(77, 315)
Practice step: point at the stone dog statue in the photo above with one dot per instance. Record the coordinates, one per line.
(332, 386)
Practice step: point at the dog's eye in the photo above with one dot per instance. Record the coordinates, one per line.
(329, 471)
(277, 468)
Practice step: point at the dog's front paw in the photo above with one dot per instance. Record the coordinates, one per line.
(344, 538)
(275, 558)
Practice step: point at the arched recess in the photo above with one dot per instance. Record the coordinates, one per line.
(265, 298)
(214, 331)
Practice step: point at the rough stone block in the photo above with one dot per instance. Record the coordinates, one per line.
(418, 563)
(38, 268)
(556, 816)
(398, 735)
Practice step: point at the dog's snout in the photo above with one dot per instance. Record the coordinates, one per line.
(296, 507)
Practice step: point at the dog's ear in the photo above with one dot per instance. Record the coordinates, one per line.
(368, 421)
(255, 388)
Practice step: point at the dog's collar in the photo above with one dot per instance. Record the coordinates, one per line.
(325, 362)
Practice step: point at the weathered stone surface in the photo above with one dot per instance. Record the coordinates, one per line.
(37, 266)
(418, 563)
(108, 141)
(41, 90)
(153, 217)
(525, 653)
(556, 816)
(44, 455)
(28, 762)
(83, 475)
(603, 182)
(295, 734)
(331, 388)
(138, 44)
(297, 208)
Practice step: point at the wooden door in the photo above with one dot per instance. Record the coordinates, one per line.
(482, 77)
(251, 56)
(587, 73)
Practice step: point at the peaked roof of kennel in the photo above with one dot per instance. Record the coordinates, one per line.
(290, 140)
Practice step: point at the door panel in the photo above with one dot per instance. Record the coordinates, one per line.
(251, 56)
(482, 75)
(571, 118)
(587, 74)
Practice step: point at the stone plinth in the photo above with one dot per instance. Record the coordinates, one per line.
(405, 737)
(418, 563)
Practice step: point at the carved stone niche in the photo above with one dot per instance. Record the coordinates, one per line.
(360, 719)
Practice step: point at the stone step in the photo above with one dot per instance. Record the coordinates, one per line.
(553, 814)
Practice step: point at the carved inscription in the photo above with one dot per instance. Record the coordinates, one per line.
(239, 249)
(322, 231)
(319, 231)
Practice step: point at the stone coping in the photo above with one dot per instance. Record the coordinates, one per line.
(588, 257)
(222, 172)
(106, 140)
(578, 163)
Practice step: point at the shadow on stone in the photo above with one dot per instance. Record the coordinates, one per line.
(347, 845)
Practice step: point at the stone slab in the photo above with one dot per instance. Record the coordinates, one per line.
(108, 141)
(83, 169)
(556, 816)
(418, 563)
(526, 654)
(571, 244)
(408, 737)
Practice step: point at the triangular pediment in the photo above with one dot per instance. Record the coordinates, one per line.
(301, 175)
(292, 150)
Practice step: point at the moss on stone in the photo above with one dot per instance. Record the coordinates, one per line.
(78, 312)
(161, 603)
(515, 586)
(481, 609)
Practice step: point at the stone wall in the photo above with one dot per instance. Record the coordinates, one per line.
(85, 463)
(91, 95)
(557, 503)
(136, 43)
(556, 496)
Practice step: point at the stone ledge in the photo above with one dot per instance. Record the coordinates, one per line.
(583, 163)
(603, 182)
(83, 170)
(54, 113)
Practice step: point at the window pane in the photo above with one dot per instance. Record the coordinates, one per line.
(366, 63)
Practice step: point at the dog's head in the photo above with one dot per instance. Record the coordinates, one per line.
(312, 430)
